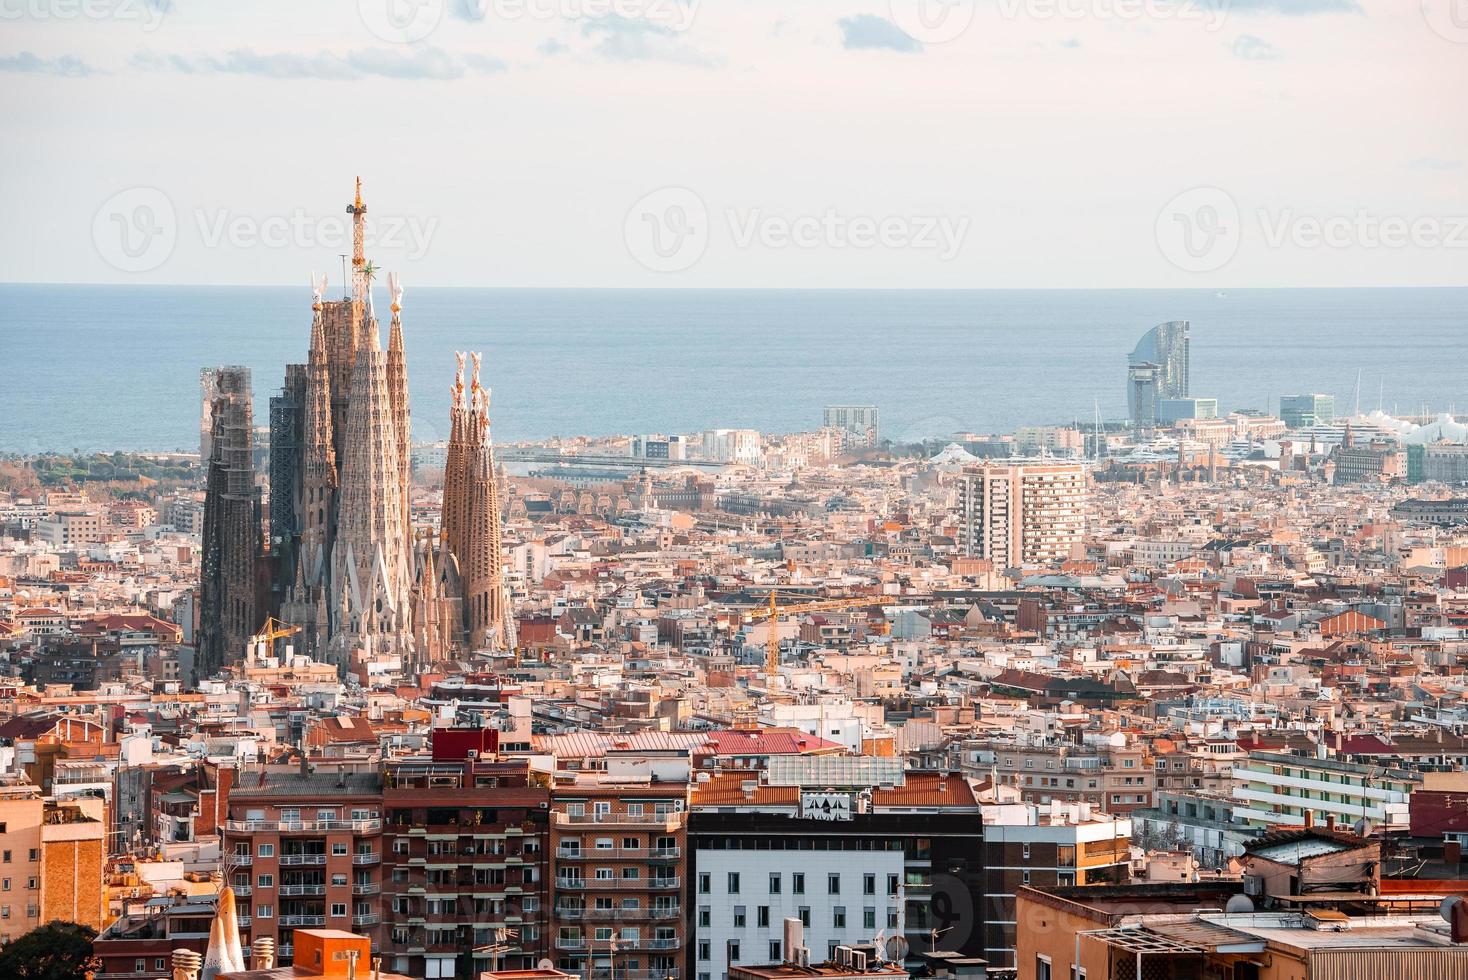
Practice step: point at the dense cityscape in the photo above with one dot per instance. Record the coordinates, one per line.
(1176, 695)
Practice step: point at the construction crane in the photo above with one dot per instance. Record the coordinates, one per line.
(774, 611)
(273, 630)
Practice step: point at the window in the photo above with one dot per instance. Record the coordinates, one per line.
(140, 965)
(776, 954)
(891, 918)
(264, 911)
(704, 884)
(1042, 968)
(703, 949)
(833, 884)
(4, 884)
(1025, 851)
(704, 916)
(869, 884)
(265, 881)
(733, 883)
(838, 917)
(797, 883)
(869, 917)
(268, 850)
(740, 917)
(340, 879)
(338, 909)
(762, 916)
(775, 883)
(733, 951)
(892, 884)
(338, 848)
(804, 913)
(5, 856)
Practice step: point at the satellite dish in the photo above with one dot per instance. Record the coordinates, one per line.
(546, 964)
(1239, 904)
(1362, 827)
(1446, 908)
(897, 948)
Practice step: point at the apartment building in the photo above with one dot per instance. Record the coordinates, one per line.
(1022, 513)
(466, 841)
(51, 860)
(1044, 847)
(619, 851)
(1273, 789)
(851, 846)
(1115, 778)
(304, 850)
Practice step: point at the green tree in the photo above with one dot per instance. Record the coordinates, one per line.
(55, 951)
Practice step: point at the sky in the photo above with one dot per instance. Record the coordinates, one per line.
(738, 143)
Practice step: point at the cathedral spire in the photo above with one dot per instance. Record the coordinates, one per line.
(397, 391)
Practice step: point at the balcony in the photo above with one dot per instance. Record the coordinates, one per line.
(297, 859)
(303, 920)
(302, 889)
(304, 826)
(366, 858)
(366, 920)
(573, 944)
(241, 860)
(666, 821)
(241, 891)
(617, 884)
(617, 853)
(366, 889)
(244, 921)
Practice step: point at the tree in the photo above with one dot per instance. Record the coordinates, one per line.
(55, 951)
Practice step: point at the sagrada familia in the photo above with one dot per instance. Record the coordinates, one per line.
(345, 562)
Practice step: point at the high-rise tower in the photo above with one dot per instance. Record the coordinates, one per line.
(1157, 369)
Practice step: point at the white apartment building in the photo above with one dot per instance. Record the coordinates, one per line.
(1022, 513)
(1275, 789)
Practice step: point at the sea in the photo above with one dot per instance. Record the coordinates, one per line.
(104, 368)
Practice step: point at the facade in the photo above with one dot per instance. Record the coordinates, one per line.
(847, 856)
(229, 600)
(859, 422)
(51, 860)
(466, 844)
(1022, 513)
(1157, 369)
(1273, 789)
(1025, 846)
(1303, 411)
(619, 850)
(304, 850)
(1172, 410)
(1378, 461)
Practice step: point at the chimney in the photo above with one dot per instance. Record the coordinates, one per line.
(263, 954)
(186, 964)
(1330, 821)
(1309, 819)
(1452, 852)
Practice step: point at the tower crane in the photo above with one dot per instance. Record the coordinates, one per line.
(272, 630)
(774, 611)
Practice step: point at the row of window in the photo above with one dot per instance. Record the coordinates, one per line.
(740, 918)
(338, 910)
(338, 849)
(797, 883)
(733, 951)
(34, 854)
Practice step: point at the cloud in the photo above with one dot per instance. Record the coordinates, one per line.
(870, 32)
(67, 66)
(1290, 8)
(551, 47)
(1071, 43)
(1252, 48)
(621, 38)
(416, 63)
(1436, 164)
(470, 10)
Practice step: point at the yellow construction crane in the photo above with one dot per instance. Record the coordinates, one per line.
(273, 630)
(774, 611)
